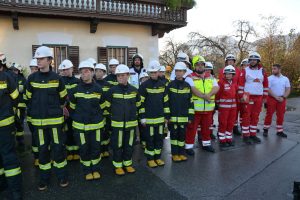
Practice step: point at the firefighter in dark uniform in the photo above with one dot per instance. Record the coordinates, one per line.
(46, 94)
(34, 146)
(112, 77)
(10, 171)
(87, 105)
(100, 73)
(21, 108)
(70, 82)
(154, 113)
(123, 102)
(181, 111)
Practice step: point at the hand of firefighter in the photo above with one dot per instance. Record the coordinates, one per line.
(206, 97)
(190, 121)
(66, 112)
(143, 122)
(167, 121)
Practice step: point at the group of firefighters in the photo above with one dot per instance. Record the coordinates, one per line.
(79, 119)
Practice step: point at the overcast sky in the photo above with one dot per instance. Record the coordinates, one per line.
(215, 17)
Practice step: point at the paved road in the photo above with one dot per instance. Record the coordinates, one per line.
(264, 171)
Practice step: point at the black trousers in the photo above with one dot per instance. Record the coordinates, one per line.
(89, 149)
(19, 122)
(53, 138)
(10, 171)
(122, 145)
(154, 141)
(71, 146)
(177, 134)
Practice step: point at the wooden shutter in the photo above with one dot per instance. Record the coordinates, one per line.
(130, 52)
(102, 55)
(73, 56)
(34, 47)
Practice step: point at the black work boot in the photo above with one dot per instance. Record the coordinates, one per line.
(246, 140)
(255, 139)
(209, 149)
(265, 133)
(282, 134)
(236, 131)
(231, 143)
(190, 152)
(223, 144)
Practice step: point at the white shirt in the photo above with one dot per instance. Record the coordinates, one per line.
(254, 81)
(278, 84)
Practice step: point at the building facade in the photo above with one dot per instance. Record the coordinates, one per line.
(80, 29)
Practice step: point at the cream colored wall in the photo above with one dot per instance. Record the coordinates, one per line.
(17, 44)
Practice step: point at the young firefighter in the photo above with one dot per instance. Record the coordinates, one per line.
(162, 75)
(46, 94)
(21, 108)
(70, 82)
(87, 104)
(10, 170)
(226, 100)
(279, 90)
(230, 60)
(112, 78)
(142, 130)
(181, 111)
(253, 81)
(123, 102)
(154, 113)
(34, 142)
(100, 73)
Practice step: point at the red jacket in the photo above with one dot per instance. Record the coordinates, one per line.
(227, 94)
(253, 81)
(236, 76)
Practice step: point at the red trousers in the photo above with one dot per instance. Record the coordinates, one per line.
(275, 106)
(226, 122)
(250, 115)
(204, 120)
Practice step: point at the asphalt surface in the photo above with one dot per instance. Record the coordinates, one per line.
(262, 171)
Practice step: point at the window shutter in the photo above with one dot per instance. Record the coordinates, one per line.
(73, 56)
(102, 55)
(34, 47)
(130, 52)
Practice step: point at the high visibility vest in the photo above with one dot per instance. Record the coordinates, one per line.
(204, 86)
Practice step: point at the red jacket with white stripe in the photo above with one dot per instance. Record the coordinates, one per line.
(253, 81)
(227, 94)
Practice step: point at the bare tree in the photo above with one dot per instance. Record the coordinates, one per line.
(244, 30)
(172, 48)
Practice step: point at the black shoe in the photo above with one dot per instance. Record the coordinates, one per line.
(190, 152)
(209, 149)
(63, 183)
(231, 144)
(42, 186)
(282, 134)
(236, 131)
(265, 133)
(255, 139)
(223, 145)
(212, 136)
(246, 140)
